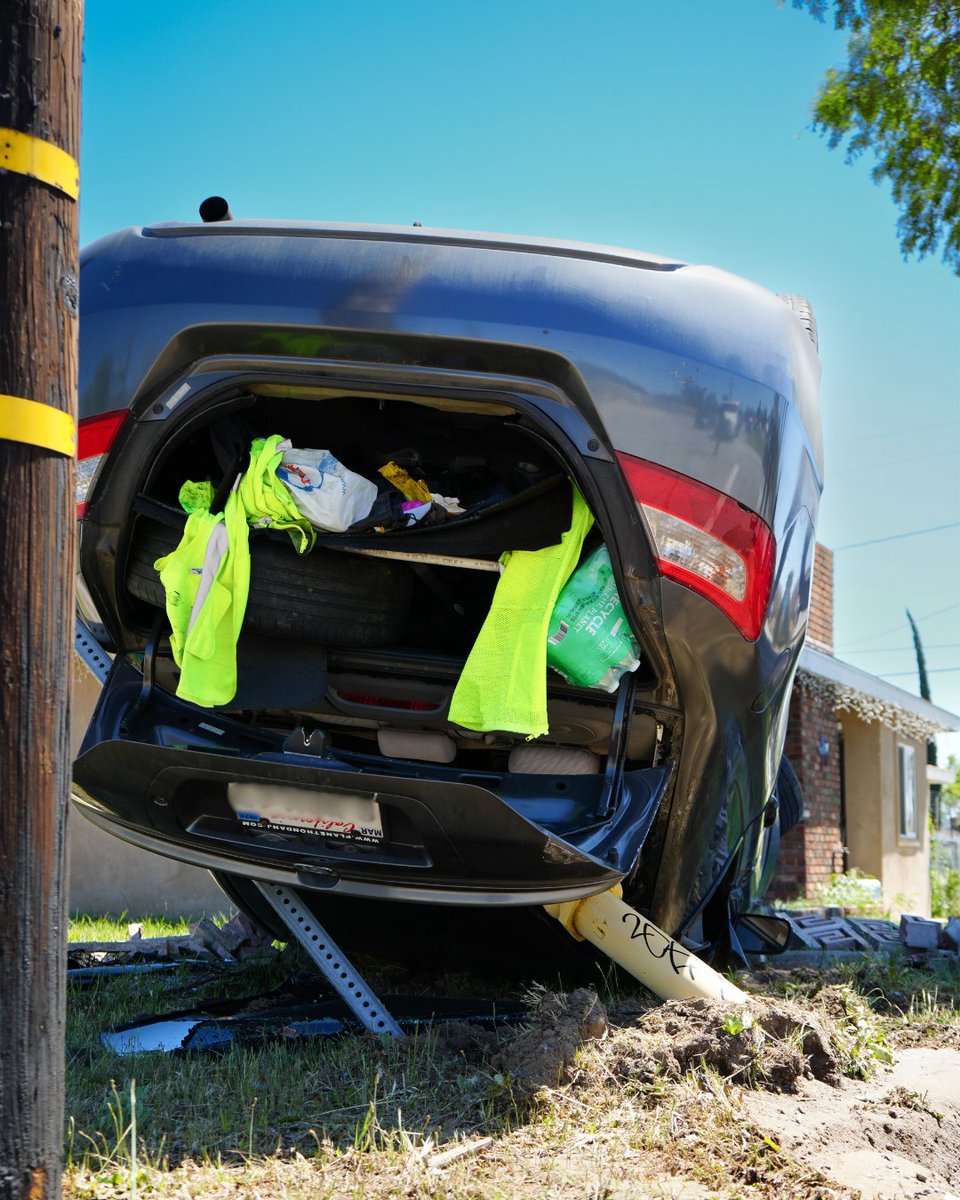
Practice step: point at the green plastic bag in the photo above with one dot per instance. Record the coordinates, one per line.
(589, 641)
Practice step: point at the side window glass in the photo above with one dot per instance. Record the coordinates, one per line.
(907, 790)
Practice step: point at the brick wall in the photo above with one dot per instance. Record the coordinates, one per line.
(820, 629)
(812, 850)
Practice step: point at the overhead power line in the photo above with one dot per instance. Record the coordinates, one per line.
(869, 437)
(908, 649)
(935, 671)
(896, 537)
(869, 637)
(898, 462)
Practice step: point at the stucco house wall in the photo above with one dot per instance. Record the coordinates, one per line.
(874, 841)
(110, 877)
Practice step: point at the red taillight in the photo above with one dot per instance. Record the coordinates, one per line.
(95, 437)
(706, 540)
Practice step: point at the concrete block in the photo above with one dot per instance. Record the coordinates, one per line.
(919, 933)
(950, 935)
(882, 935)
(827, 933)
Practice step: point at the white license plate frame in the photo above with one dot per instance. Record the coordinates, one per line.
(330, 813)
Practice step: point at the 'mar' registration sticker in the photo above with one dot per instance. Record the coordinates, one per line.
(301, 810)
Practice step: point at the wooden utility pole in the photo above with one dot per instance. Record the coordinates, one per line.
(40, 53)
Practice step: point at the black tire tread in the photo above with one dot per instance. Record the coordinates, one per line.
(339, 599)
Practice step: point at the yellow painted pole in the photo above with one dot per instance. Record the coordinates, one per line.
(663, 965)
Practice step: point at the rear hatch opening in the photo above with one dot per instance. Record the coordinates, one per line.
(371, 648)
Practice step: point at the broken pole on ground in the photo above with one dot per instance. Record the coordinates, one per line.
(40, 55)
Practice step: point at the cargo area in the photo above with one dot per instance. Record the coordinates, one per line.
(365, 636)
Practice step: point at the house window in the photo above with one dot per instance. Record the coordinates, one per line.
(907, 790)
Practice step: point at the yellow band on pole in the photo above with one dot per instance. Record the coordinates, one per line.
(27, 155)
(37, 424)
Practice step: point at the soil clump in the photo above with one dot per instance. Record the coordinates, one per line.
(543, 1055)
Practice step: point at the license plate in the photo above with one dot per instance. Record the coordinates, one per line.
(300, 810)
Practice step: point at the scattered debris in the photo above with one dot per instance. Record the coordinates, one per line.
(825, 936)
(238, 940)
(160, 949)
(828, 933)
(450, 1156)
(292, 1011)
(680, 1098)
(241, 938)
(84, 975)
(919, 933)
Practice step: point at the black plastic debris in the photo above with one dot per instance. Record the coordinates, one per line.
(85, 975)
(217, 1026)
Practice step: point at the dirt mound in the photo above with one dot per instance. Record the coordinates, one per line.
(771, 1044)
(543, 1054)
(463, 1040)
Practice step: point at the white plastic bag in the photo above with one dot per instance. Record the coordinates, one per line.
(330, 495)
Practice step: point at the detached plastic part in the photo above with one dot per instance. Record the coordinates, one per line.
(633, 942)
(249, 1021)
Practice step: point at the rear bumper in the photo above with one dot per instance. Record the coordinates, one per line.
(159, 779)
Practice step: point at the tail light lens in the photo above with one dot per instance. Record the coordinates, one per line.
(95, 437)
(706, 540)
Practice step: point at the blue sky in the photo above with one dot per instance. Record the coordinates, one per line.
(679, 128)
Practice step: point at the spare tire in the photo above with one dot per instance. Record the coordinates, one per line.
(326, 596)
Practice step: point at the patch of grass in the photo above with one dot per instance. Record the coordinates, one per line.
(932, 1007)
(854, 892)
(351, 1095)
(737, 1023)
(944, 891)
(910, 1004)
(859, 1036)
(86, 927)
(357, 1116)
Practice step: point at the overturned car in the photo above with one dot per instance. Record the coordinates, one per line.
(391, 738)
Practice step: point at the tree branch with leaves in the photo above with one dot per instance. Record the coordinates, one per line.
(899, 95)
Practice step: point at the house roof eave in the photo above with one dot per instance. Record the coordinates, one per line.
(873, 698)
